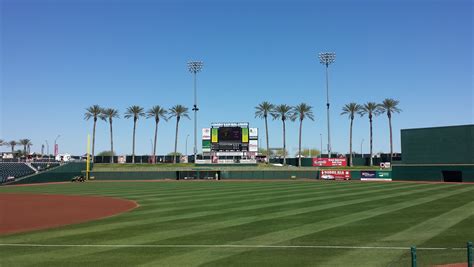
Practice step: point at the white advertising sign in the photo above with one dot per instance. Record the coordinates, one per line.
(206, 133)
(253, 133)
(253, 145)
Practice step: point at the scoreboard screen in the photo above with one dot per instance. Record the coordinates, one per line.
(230, 134)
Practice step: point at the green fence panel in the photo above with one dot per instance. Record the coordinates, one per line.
(431, 173)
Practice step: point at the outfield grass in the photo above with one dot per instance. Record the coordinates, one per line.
(237, 223)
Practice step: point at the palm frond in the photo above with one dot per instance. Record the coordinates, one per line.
(263, 109)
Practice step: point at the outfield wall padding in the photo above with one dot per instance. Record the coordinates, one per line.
(137, 175)
(430, 172)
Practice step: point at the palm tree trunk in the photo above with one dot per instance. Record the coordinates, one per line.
(13, 149)
(154, 145)
(266, 136)
(284, 144)
(133, 142)
(176, 141)
(93, 139)
(350, 144)
(299, 145)
(391, 142)
(371, 162)
(111, 142)
(24, 150)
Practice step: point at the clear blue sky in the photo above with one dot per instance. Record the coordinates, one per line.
(58, 57)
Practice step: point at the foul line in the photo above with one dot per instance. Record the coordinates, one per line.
(221, 246)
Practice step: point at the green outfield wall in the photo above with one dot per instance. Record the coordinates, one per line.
(434, 173)
(438, 145)
(134, 175)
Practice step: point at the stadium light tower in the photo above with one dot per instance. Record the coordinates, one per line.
(194, 67)
(326, 58)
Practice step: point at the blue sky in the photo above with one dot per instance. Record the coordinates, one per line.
(58, 57)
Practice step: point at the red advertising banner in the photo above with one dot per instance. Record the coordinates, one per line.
(335, 175)
(329, 162)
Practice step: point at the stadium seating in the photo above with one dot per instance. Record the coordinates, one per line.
(14, 169)
(41, 166)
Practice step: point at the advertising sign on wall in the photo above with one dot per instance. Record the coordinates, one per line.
(214, 134)
(253, 145)
(335, 174)
(121, 159)
(375, 176)
(245, 135)
(206, 133)
(384, 174)
(253, 133)
(206, 145)
(329, 162)
(367, 174)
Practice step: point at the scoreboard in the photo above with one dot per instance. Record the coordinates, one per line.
(230, 137)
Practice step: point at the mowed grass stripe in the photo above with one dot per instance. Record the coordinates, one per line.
(191, 204)
(201, 256)
(101, 226)
(140, 238)
(170, 189)
(415, 235)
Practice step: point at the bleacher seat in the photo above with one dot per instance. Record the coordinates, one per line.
(14, 169)
(41, 166)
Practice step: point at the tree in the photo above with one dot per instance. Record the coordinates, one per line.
(157, 113)
(28, 147)
(300, 112)
(93, 112)
(389, 106)
(351, 109)
(370, 109)
(12, 144)
(177, 111)
(309, 152)
(109, 114)
(24, 143)
(262, 111)
(282, 112)
(2, 142)
(281, 153)
(106, 154)
(134, 112)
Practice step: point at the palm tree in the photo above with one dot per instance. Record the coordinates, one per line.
(2, 142)
(93, 112)
(177, 111)
(12, 144)
(24, 143)
(28, 147)
(109, 114)
(136, 112)
(157, 113)
(370, 109)
(351, 109)
(262, 111)
(389, 106)
(300, 112)
(282, 112)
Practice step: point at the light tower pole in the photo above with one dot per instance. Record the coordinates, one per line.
(194, 67)
(326, 58)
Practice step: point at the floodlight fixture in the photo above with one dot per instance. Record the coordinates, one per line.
(327, 58)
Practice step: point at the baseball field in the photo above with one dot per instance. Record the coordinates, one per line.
(277, 223)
